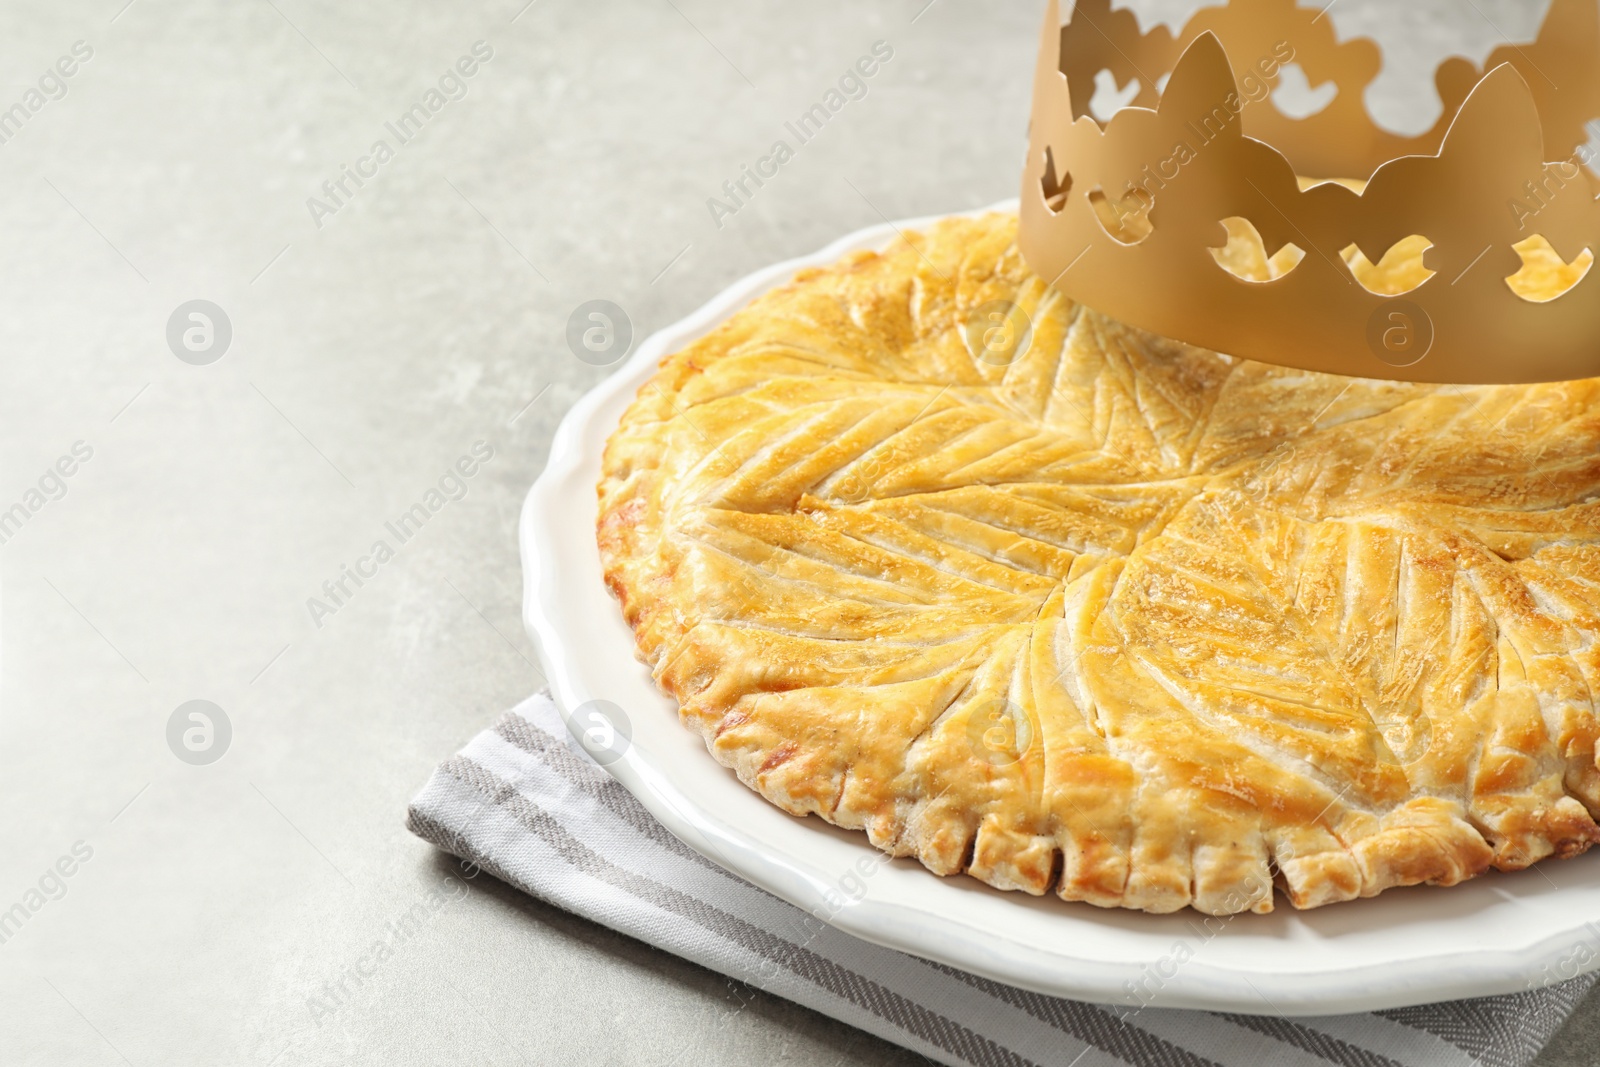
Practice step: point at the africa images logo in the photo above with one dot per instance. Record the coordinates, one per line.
(452, 85)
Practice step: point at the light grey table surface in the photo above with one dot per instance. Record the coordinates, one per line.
(372, 345)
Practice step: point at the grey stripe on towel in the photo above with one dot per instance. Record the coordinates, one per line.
(529, 807)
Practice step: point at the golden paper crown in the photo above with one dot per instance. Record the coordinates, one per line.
(1205, 213)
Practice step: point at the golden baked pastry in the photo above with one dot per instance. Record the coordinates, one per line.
(1109, 614)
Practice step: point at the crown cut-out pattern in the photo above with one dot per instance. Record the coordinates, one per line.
(1205, 153)
(1340, 140)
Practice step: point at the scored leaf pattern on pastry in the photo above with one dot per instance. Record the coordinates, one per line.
(1120, 617)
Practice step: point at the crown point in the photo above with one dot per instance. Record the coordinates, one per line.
(1500, 104)
(1201, 82)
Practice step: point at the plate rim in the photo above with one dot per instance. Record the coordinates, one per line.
(1206, 985)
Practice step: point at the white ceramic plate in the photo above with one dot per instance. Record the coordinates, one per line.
(1497, 934)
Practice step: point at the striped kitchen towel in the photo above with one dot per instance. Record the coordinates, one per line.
(526, 803)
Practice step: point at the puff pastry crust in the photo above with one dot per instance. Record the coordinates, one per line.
(1119, 618)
